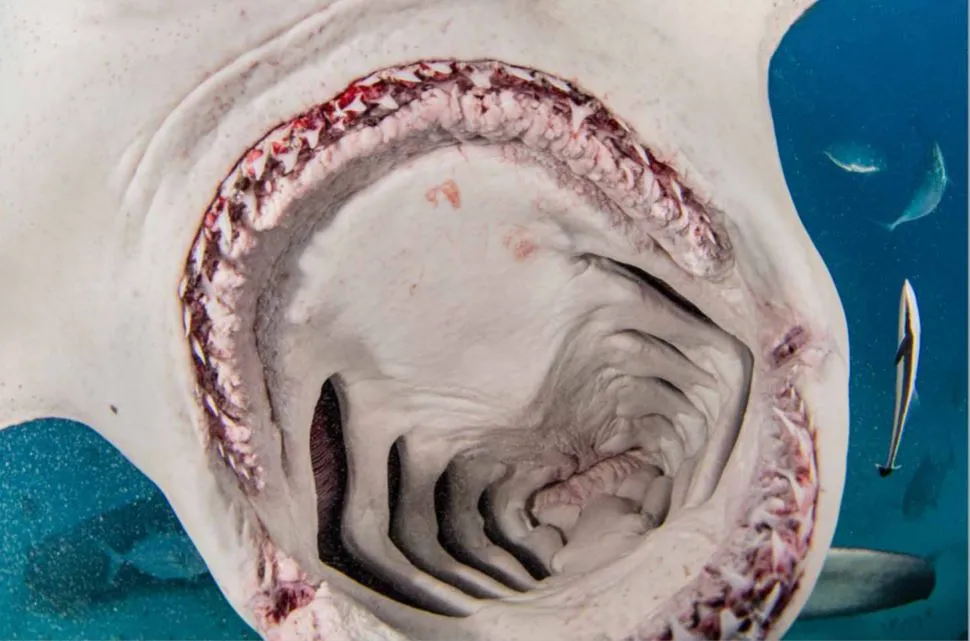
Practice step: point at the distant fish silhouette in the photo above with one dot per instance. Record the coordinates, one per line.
(164, 555)
(924, 488)
(68, 573)
(928, 196)
(855, 158)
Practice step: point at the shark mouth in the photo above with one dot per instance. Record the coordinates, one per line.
(489, 421)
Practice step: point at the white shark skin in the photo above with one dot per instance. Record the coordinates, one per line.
(128, 114)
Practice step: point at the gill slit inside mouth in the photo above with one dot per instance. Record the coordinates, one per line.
(538, 118)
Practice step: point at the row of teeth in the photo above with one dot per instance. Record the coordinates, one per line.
(481, 100)
(742, 596)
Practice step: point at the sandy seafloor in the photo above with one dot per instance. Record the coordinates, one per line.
(889, 74)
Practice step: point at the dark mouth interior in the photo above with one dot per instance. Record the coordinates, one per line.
(524, 562)
(329, 459)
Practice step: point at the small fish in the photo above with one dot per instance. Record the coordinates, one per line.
(928, 196)
(167, 556)
(855, 158)
(907, 361)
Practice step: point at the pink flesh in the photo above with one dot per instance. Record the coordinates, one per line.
(541, 119)
(603, 477)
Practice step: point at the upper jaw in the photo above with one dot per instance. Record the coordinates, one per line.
(158, 158)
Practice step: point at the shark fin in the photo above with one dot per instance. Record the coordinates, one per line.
(115, 561)
(903, 346)
(858, 580)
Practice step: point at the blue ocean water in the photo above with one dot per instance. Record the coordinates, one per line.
(892, 75)
(889, 74)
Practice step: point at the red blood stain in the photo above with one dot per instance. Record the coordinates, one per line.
(273, 606)
(448, 189)
(794, 340)
(366, 92)
(519, 242)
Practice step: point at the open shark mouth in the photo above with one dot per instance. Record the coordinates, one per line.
(509, 410)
